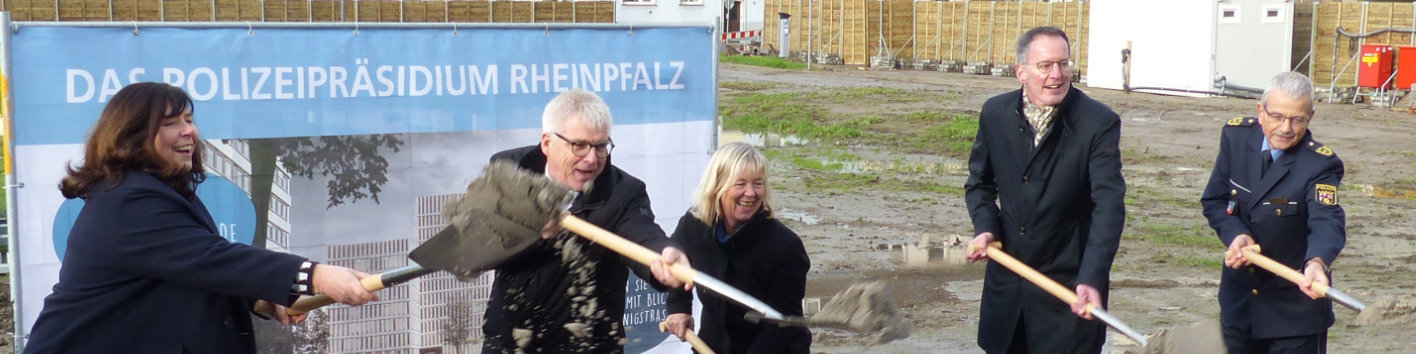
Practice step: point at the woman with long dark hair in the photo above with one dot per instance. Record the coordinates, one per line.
(145, 270)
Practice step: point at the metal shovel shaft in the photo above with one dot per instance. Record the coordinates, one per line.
(1252, 253)
(1119, 326)
(644, 256)
(996, 254)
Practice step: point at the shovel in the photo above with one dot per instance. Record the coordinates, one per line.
(1251, 252)
(476, 260)
(866, 308)
(502, 213)
(508, 206)
(1056, 289)
(476, 239)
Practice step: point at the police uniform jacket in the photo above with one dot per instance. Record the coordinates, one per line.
(763, 258)
(531, 290)
(145, 271)
(1062, 212)
(1292, 212)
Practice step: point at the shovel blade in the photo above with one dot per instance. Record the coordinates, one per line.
(466, 254)
(501, 213)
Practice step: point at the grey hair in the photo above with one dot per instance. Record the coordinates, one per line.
(1026, 40)
(576, 103)
(1292, 83)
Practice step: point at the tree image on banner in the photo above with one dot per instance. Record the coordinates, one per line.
(354, 163)
(461, 328)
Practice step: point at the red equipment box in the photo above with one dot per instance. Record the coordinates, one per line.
(1405, 67)
(1374, 67)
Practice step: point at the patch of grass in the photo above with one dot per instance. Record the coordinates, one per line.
(838, 182)
(1210, 262)
(929, 116)
(764, 61)
(956, 134)
(746, 85)
(1198, 235)
(814, 164)
(804, 128)
(867, 94)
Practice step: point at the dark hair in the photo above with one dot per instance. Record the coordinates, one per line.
(124, 138)
(1027, 38)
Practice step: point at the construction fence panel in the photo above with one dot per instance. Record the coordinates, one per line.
(310, 11)
(1302, 56)
(855, 25)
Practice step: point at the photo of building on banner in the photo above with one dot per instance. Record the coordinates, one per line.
(352, 146)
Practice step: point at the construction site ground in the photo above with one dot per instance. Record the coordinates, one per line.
(873, 182)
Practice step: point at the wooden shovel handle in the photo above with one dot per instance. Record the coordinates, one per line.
(373, 282)
(1052, 286)
(1251, 252)
(622, 246)
(305, 304)
(692, 338)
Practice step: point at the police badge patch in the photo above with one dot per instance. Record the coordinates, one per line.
(1325, 194)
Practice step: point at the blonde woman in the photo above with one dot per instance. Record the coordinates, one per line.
(730, 234)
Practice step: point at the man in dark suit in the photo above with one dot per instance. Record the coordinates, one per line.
(565, 294)
(1275, 186)
(1045, 180)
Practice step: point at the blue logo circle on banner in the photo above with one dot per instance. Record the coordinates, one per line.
(230, 208)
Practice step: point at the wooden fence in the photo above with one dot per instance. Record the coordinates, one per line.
(968, 32)
(309, 11)
(1333, 59)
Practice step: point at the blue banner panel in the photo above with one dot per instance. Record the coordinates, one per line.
(287, 82)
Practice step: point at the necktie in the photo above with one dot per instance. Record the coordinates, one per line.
(1268, 160)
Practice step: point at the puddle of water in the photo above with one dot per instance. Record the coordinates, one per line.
(801, 216)
(759, 139)
(926, 252)
(932, 168)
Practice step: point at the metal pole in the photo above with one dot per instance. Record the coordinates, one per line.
(713, 52)
(7, 114)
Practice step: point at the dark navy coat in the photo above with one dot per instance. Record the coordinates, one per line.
(1058, 208)
(532, 289)
(1292, 212)
(763, 258)
(146, 272)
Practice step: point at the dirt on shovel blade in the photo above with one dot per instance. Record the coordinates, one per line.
(866, 308)
(501, 213)
(1388, 310)
(1198, 338)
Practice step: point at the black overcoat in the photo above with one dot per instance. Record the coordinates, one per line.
(1058, 208)
(146, 271)
(533, 289)
(763, 258)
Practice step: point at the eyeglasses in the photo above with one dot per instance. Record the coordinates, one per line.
(1046, 66)
(1297, 121)
(580, 148)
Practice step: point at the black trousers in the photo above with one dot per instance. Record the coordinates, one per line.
(1238, 342)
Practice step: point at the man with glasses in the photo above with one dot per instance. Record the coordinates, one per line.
(1275, 186)
(565, 294)
(1045, 181)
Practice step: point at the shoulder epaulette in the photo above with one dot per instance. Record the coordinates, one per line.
(1320, 149)
(1241, 122)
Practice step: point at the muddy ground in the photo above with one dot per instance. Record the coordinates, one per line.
(876, 171)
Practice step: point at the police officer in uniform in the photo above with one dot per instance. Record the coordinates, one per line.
(1276, 186)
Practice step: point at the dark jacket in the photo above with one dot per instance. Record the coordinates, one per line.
(146, 272)
(1292, 212)
(539, 289)
(1062, 214)
(762, 258)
